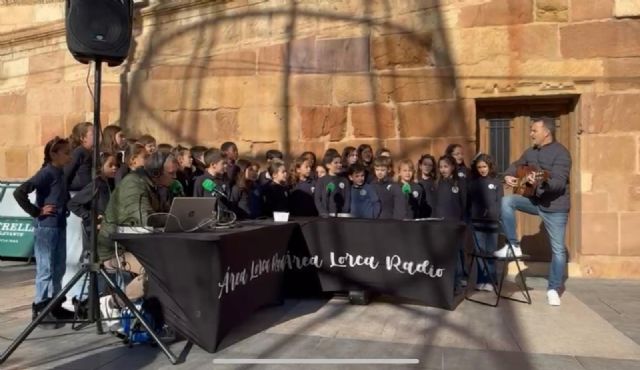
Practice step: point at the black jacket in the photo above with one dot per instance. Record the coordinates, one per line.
(449, 199)
(332, 195)
(384, 190)
(484, 195)
(407, 204)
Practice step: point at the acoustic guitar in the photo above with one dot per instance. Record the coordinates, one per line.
(522, 186)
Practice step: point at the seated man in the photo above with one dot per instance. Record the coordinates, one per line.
(135, 198)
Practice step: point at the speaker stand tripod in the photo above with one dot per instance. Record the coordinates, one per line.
(92, 268)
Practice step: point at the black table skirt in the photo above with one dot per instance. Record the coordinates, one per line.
(209, 282)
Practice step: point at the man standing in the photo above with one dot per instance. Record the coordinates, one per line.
(550, 201)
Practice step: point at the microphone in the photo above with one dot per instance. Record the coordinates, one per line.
(210, 186)
(406, 189)
(330, 188)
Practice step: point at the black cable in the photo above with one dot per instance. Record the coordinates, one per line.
(87, 80)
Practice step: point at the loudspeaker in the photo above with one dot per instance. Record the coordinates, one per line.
(99, 30)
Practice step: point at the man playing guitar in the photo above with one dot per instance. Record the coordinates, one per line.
(550, 199)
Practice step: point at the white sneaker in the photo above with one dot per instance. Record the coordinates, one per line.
(553, 298)
(109, 312)
(486, 287)
(506, 251)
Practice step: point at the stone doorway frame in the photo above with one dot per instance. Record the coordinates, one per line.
(516, 105)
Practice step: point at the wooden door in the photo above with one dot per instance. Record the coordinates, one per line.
(503, 132)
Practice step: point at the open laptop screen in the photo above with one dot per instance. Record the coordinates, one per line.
(190, 214)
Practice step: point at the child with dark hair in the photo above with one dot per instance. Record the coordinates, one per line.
(456, 151)
(364, 199)
(320, 171)
(78, 172)
(264, 177)
(365, 153)
(276, 192)
(330, 152)
(113, 142)
(426, 168)
(408, 195)
(185, 171)
(77, 175)
(165, 148)
(484, 196)
(213, 182)
(149, 143)
(50, 221)
(302, 189)
(383, 186)
(81, 203)
(349, 157)
(365, 156)
(134, 157)
(311, 158)
(449, 202)
(332, 194)
(242, 198)
(449, 192)
(426, 175)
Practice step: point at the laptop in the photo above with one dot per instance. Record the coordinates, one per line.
(193, 214)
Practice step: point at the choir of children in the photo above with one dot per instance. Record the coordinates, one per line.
(356, 181)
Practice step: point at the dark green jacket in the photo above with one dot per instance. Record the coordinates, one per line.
(132, 201)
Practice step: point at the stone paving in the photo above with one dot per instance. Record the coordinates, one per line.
(597, 327)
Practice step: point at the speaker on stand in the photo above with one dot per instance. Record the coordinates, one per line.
(98, 31)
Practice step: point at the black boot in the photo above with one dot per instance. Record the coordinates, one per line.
(49, 322)
(61, 313)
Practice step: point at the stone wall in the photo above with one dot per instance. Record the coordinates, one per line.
(310, 75)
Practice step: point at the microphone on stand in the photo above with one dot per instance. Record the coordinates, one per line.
(331, 187)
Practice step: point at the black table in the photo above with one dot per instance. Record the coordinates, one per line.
(415, 260)
(209, 282)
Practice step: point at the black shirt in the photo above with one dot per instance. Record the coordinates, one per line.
(51, 188)
(384, 189)
(78, 172)
(449, 199)
(301, 201)
(276, 198)
(186, 178)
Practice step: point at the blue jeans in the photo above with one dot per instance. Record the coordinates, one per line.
(487, 243)
(50, 250)
(554, 222)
